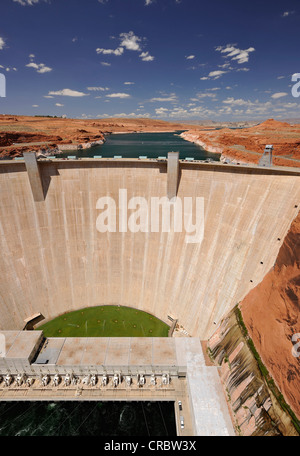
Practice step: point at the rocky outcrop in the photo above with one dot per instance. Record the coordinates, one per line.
(271, 313)
(9, 139)
(255, 402)
(247, 145)
(82, 146)
(260, 368)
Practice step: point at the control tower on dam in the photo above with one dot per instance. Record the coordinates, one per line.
(55, 259)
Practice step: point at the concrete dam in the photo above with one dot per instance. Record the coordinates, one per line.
(54, 259)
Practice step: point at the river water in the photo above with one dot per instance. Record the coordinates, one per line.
(150, 145)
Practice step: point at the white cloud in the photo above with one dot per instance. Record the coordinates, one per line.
(59, 105)
(118, 51)
(27, 2)
(68, 93)
(172, 97)
(118, 95)
(205, 95)
(252, 108)
(130, 41)
(216, 74)
(288, 13)
(240, 55)
(131, 114)
(97, 89)
(35, 106)
(2, 43)
(129, 83)
(279, 95)
(146, 57)
(236, 102)
(105, 64)
(225, 65)
(48, 96)
(39, 67)
(161, 111)
(233, 107)
(148, 2)
(190, 57)
(290, 105)
(213, 75)
(8, 68)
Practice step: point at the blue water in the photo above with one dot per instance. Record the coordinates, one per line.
(151, 145)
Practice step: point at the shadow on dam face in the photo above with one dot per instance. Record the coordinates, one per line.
(54, 260)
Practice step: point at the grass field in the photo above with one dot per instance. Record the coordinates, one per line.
(105, 321)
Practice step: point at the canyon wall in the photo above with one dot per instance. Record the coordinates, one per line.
(53, 258)
(271, 313)
(256, 405)
(247, 145)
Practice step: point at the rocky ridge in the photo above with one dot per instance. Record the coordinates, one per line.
(247, 145)
(271, 312)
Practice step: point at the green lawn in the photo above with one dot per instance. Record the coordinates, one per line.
(105, 321)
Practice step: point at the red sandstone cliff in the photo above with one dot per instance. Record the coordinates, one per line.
(247, 145)
(271, 313)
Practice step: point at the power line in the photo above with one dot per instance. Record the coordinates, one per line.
(41, 425)
(86, 418)
(145, 419)
(22, 414)
(68, 417)
(163, 418)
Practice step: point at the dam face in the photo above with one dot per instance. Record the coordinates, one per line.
(54, 260)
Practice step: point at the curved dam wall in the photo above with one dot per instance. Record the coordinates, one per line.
(54, 260)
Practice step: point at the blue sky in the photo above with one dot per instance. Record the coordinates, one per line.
(164, 59)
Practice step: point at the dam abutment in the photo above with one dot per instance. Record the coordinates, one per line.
(257, 405)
